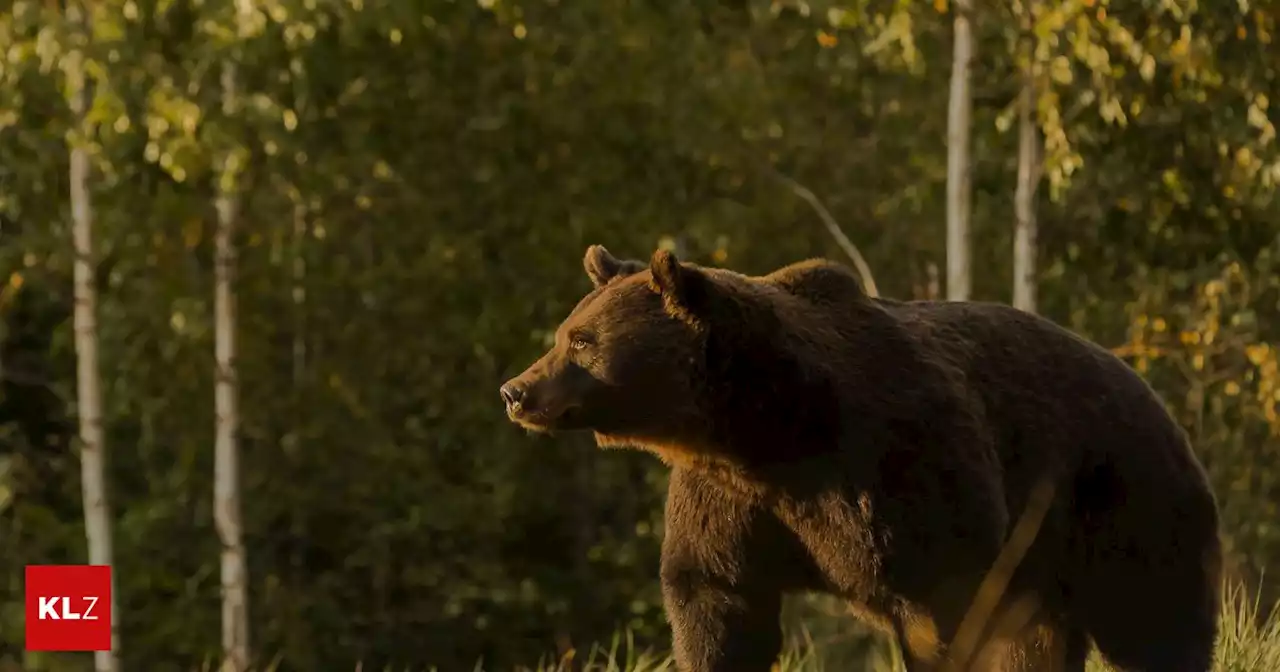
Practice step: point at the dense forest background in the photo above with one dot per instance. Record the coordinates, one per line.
(416, 183)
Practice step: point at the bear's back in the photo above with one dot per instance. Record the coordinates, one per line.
(1047, 392)
(1008, 352)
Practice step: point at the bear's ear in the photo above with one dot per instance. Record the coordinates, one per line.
(602, 267)
(683, 289)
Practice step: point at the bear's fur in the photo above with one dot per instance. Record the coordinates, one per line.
(882, 451)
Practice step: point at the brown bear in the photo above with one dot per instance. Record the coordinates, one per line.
(882, 451)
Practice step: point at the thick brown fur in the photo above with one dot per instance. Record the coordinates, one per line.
(882, 451)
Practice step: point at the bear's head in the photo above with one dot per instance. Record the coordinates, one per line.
(669, 356)
(622, 362)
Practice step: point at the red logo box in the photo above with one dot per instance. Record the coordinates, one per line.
(68, 607)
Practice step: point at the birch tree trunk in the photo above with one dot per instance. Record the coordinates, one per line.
(1024, 238)
(226, 493)
(959, 121)
(97, 512)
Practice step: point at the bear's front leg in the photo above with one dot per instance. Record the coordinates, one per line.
(721, 584)
(717, 626)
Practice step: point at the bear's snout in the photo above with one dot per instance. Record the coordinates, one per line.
(540, 403)
(512, 395)
(527, 402)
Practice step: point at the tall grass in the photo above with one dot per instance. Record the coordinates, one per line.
(1247, 642)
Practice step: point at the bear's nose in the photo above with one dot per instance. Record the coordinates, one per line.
(512, 395)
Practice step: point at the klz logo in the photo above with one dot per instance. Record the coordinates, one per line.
(49, 609)
(68, 607)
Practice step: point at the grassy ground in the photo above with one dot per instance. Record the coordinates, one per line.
(1247, 643)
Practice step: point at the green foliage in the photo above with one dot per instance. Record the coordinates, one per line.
(420, 179)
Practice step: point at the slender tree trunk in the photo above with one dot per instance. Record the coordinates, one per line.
(1024, 238)
(235, 599)
(959, 121)
(97, 511)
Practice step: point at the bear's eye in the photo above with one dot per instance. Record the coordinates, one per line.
(579, 342)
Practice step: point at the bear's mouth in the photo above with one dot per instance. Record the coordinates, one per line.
(544, 420)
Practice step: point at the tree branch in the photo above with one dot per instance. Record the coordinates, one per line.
(991, 590)
(833, 227)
